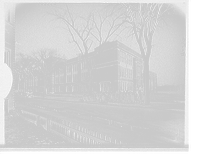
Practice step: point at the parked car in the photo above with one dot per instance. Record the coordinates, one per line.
(29, 94)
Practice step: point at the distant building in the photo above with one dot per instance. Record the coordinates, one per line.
(9, 55)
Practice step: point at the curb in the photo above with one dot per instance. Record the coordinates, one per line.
(119, 104)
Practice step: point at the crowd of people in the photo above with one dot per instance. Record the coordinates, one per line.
(118, 96)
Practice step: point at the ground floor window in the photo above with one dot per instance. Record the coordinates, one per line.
(125, 86)
(68, 88)
(75, 88)
(105, 86)
(84, 87)
(36, 89)
(62, 88)
(41, 89)
(56, 88)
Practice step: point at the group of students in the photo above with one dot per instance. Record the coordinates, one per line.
(124, 97)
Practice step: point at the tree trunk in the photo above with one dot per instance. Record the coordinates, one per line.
(90, 81)
(146, 81)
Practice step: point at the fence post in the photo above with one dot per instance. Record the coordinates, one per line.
(48, 124)
(37, 120)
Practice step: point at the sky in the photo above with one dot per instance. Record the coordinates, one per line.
(37, 29)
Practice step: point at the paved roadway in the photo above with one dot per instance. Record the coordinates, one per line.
(166, 122)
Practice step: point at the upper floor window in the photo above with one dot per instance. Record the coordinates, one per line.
(105, 86)
(84, 65)
(75, 68)
(68, 69)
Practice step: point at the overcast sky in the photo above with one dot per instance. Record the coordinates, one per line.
(36, 29)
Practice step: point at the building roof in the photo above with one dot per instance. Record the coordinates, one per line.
(107, 45)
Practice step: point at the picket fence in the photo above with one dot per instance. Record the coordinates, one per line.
(73, 133)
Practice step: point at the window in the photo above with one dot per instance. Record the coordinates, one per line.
(120, 86)
(69, 69)
(108, 86)
(91, 61)
(84, 76)
(83, 65)
(62, 88)
(76, 68)
(36, 89)
(75, 77)
(56, 72)
(75, 88)
(7, 57)
(61, 80)
(105, 86)
(56, 88)
(69, 88)
(101, 88)
(36, 81)
(56, 78)
(84, 87)
(69, 78)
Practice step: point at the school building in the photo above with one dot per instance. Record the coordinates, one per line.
(118, 67)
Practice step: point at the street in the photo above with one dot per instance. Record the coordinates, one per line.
(162, 125)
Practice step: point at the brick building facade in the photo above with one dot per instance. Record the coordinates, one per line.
(118, 68)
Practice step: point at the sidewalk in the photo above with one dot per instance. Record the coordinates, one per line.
(153, 105)
(131, 138)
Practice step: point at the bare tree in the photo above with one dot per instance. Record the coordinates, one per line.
(46, 61)
(94, 28)
(144, 19)
(33, 70)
